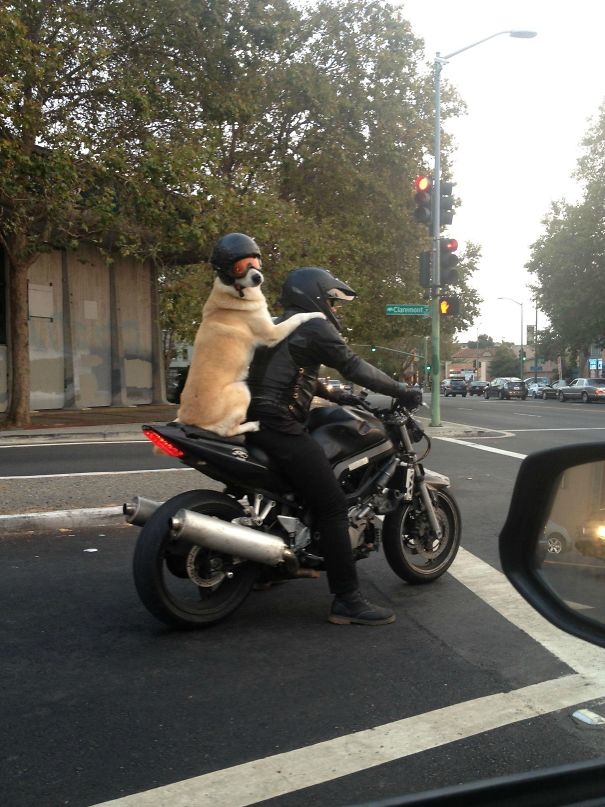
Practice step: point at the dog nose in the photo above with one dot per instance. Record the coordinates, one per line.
(257, 279)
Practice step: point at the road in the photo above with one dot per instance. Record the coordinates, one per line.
(276, 705)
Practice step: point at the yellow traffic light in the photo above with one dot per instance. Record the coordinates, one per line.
(444, 306)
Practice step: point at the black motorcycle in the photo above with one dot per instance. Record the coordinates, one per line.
(200, 553)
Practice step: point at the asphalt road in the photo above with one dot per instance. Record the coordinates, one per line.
(101, 702)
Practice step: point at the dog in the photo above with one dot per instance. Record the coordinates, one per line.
(235, 320)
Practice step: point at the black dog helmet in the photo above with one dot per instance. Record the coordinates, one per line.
(228, 251)
(312, 288)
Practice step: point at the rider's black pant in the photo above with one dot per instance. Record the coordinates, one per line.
(302, 461)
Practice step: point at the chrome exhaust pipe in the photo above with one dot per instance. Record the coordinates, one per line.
(232, 539)
(139, 510)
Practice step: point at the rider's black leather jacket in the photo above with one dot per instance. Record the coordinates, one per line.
(284, 379)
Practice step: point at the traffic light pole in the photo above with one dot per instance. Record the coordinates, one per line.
(436, 215)
(435, 263)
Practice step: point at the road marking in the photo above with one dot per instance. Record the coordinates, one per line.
(280, 774)
(71, 519)
(142, 440)
(481, 447)
(566, 429)
(99, 473)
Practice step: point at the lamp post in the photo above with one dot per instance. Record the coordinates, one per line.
(440, 61)
(521, 347)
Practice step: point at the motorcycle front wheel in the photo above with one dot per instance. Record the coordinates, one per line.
(410, 547)
(181, 584)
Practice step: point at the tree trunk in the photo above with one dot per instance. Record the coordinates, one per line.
(19, 415)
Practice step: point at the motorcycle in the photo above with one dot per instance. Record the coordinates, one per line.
(200, 553)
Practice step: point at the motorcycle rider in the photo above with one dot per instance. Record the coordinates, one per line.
(282, 382)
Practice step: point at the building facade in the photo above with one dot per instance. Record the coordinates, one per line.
(94, 336)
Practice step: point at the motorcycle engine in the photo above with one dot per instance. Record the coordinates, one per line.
(362, 526)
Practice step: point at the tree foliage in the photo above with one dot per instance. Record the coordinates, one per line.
(483, 340)
(505, 362)
(150, 127)
(568, 260)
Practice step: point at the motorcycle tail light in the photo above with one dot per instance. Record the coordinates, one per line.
(163, 444)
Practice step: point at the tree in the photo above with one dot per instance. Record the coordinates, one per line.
(483, 341)
(505, 362)
(86, 88)
(568, 260)
(325, 118)
(151, 127)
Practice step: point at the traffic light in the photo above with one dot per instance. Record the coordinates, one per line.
(446, 203)
(373, 348)
(424, 188)
(448, 261)
(425, 269)
(449, 306)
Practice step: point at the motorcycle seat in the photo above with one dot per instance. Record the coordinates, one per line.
(196, 433)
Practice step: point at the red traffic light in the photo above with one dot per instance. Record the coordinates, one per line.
(448, 244)
(423, 184)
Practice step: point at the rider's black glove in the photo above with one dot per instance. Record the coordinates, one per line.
(409, 397)
(346, 399)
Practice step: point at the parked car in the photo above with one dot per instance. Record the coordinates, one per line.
(557, 538)
(476, 387)
(541, 379)
(583, 389)
(534, 388)
(506, 388)
(453, 387)
(552, 391)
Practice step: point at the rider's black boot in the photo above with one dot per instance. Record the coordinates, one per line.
(353, 609)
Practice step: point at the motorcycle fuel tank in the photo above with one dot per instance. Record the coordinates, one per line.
(345, 431)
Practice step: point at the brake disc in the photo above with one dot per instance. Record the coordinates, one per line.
(423, 541)
(215, 576)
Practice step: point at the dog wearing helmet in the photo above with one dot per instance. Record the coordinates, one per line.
(235, 321)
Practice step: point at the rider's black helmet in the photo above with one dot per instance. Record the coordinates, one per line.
(312, 288)
(230, 249)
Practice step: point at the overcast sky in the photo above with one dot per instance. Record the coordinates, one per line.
(530, 102)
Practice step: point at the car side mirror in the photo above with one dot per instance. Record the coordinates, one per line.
(565, 486)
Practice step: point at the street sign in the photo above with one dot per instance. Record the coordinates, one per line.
(409, 310)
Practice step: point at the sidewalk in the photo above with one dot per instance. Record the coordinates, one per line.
(109, 422)
(94, 423)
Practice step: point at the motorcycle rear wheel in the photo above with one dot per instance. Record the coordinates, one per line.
(408, 547)
(180, 584)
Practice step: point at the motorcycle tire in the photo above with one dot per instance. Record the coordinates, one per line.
(183, 585)
(408, 548)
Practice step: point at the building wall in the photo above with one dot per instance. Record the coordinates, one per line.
(93, 335)
(88, 288)
(133, 287)
(46, 349)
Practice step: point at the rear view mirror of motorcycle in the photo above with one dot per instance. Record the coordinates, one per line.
(552, 545)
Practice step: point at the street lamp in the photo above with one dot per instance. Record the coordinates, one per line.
(521, 347)
(440, 61)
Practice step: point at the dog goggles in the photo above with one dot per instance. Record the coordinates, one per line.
(241, 267)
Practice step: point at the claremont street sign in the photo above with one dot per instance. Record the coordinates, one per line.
(409, 310)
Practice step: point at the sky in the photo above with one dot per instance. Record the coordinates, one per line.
(530, 103)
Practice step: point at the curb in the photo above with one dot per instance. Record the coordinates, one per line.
(14, 439)
(85, 517)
